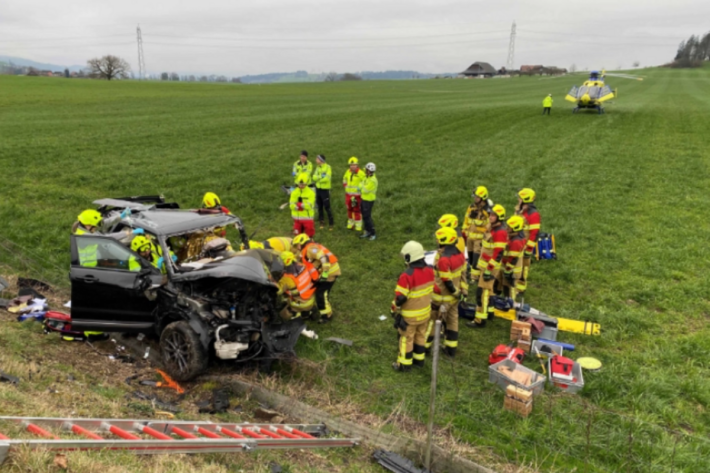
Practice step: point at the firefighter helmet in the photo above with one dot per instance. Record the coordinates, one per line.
(446, 236)
(412, 251)
(527, 195)
(90, 218)
(499, 210)
(352, 160)
(481, 192)
(516, 223)
(288, 258)
(210, 200)
(449, 221)
(301, 239)
(140, 244)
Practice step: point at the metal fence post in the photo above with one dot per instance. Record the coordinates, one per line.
(432, 398)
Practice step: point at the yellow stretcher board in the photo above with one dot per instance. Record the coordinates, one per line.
(565, 325)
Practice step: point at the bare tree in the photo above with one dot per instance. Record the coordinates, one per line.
(331, 77)
(573, 68)
(109, 67)
(174, 77)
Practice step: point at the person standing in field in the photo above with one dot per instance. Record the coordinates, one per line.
(302, 166)
(474, 226)
(411, 307)
(526, 208)
(302, 203)
(351, 183)
(322, 177)
(547, 104)
(368, 192)
(512, 263)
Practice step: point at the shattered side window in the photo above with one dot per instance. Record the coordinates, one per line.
(103, 253)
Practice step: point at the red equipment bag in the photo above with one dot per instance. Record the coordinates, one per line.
(59, 322)
(500, 353)
(517, 355)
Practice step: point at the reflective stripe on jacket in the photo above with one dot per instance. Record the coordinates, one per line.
(351, 181)
(299, 168)
(368, 188)
(417, 285)
(308, 199)
(297, 277)
(315, 253)
(513, 255)
(323, 176)
(494, 242)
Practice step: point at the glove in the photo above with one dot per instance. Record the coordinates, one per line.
(138, 231)
(174, 258)
(160, 262)
(324, 275)
(299, 206)
(400, 323)
(125, 213)
(488, 276)
(293, 174)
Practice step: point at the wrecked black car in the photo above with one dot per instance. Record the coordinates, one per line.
(209, 300)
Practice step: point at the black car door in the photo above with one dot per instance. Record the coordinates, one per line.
(103, 294)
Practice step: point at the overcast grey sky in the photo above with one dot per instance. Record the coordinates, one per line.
(253, 37)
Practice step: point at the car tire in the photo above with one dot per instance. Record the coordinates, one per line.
(182, 352)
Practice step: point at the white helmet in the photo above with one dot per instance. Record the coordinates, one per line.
(412, 251)
(371, 167)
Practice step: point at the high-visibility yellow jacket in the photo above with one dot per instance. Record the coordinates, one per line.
(323, 176)
(547, 102)
(279, 244)
(308, 200)
(368, 188)
(297, 285)
(321, 259)
(299, 168)
(475, 221)
(351, 181)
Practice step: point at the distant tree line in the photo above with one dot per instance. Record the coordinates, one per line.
(692, 52)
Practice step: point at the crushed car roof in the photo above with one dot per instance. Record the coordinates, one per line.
(173, 222)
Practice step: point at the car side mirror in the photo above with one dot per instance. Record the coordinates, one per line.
(143, 281)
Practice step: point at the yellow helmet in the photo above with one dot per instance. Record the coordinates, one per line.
(90, 218)
(499, 210)
(446, 236)
(481, 192)
(210, 200)
(516, 223)
(253, 245)
(140, 244)
(302, 178)
(288, 258)
(527, 195)
(449, 221)
(352, 160)
(301, 239)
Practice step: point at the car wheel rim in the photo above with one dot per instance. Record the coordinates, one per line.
(178, 351)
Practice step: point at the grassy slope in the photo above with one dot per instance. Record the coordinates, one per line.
(622, 192)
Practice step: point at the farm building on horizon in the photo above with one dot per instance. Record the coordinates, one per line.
(479, 69)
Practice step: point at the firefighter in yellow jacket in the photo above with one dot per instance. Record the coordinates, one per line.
(451, 221)
(296, 285)
(450, 287)
(474, 227)
(411, 307)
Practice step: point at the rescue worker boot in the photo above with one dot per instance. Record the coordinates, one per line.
(450, 352)
(403, 368)
(477, 323)
(324, 319)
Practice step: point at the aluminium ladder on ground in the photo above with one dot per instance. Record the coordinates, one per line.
(156, 436)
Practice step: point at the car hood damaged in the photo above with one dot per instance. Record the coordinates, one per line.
(248, 266)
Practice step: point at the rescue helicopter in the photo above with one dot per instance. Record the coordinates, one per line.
(592, 94)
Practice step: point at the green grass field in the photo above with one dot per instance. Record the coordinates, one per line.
(623, 193)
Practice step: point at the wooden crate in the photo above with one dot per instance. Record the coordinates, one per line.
(519, 407)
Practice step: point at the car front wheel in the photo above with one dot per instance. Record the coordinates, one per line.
(182, 353)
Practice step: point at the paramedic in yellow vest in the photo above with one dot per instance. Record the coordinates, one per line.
(303, 202)
(296, 285)
(368, 193)
(89, 222)
(351, 184)
(302, 166)
(474, 227)
(322, 177)
(547, 104)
